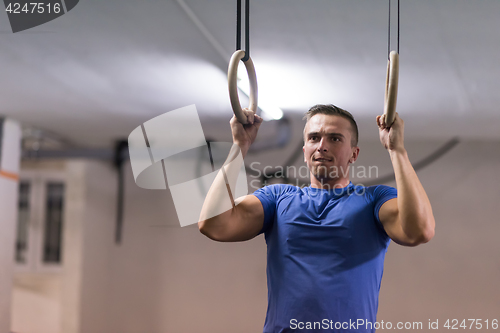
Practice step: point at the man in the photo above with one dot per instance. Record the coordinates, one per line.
(326, 242)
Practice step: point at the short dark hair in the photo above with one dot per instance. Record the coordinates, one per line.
(332, 110)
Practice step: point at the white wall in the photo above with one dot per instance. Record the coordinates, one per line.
(455, 275)
(10, 138)
(88, 245)
(162, 278)
(173, 279)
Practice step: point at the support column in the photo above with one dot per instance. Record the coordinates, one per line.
(10, 155)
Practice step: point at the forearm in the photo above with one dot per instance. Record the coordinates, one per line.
(220, 203)
(414, 207)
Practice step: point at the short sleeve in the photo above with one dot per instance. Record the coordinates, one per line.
(268, 196)
(381, 195)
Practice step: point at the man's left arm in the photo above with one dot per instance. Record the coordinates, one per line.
(407, 219)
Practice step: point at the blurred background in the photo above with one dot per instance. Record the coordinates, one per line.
(83, 249)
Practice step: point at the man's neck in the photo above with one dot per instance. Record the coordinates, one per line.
(329, 184)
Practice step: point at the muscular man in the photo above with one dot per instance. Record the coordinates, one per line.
(326, 242)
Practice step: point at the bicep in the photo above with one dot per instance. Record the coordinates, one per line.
(389, 217)
(245, 221)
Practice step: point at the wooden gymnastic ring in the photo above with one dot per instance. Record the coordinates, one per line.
(232, 78)
(391, 88)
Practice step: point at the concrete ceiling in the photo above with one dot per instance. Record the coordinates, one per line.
(96, 73)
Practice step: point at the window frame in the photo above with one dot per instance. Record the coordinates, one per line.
(38, 180)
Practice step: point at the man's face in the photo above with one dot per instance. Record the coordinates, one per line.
(327, 147)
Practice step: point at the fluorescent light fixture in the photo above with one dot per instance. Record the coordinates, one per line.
(269, 110)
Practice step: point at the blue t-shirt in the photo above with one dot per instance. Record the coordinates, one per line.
(325, 257)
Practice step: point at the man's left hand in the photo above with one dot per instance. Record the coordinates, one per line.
(392, 138)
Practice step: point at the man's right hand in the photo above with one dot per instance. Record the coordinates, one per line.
(244, 135)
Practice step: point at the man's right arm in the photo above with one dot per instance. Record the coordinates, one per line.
(241, 223)
(244, 220)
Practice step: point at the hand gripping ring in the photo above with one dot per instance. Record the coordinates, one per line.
(232, 77)
(391, 88)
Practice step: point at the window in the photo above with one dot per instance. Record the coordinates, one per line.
(53, 223)
(40, 223)
(23, 220)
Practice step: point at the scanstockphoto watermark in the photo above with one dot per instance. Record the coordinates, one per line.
(358, 324)
(429, 325)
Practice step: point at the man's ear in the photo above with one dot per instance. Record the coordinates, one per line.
(303, 153)
(355, 154)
